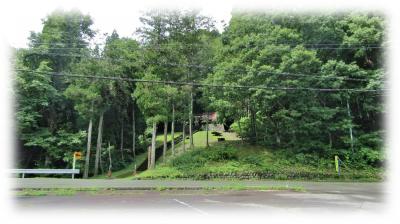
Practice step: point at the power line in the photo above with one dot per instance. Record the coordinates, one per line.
(194, 84)
(264, 43)
(121, 59)
(307, 46)
(317, 77)
(211, 67)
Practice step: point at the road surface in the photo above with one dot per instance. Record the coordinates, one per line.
(132, 196)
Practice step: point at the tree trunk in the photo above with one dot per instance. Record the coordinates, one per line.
(153, 146)
(191, 119)
(134, 137)
(47, 161)
(101, 162)
(184, 136)
(266, 129)
(240, 131)
(253, 125)
(149, 157)
(98, 147)
(358, 109)
(173, 130)
(278, 138)
(207, 143)
(350, 128)
(122, 141)
(89, 143)
(165, 139)
(109, 173)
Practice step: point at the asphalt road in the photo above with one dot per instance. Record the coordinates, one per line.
(319, 197)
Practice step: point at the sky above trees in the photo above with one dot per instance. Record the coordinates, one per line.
(124, 15)
(107, 17)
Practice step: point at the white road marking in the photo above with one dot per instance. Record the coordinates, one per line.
(242, 204)
(194, 208)
(212, 201)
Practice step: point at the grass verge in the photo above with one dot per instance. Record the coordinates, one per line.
(47, 192)
(112, 191)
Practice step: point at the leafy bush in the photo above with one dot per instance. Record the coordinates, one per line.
(198, 158)
(220, 154)
(253, 160)
(371, 157)
(190, 160)
(160, 172)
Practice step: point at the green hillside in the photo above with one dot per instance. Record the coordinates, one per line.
(235, 160)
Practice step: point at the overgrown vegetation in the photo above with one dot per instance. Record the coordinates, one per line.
(237, 161)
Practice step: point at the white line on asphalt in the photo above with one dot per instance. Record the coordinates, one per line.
(196, 209)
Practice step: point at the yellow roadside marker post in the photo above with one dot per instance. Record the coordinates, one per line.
(337, 164)
(77, 155)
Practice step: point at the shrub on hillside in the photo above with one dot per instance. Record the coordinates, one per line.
(198, 158)
(252, 160)
(220, 153)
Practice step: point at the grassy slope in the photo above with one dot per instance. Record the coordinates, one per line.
(160, 137)
(127, 171)
(249, 160)
(199, 141)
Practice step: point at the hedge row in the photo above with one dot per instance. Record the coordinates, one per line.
(303, 175)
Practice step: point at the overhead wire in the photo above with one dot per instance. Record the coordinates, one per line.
(197, 84)
(312, 76)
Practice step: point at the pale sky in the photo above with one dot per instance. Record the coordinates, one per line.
(107, 16)
(19, 17)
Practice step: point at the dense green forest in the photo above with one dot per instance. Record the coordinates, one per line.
(309, 84)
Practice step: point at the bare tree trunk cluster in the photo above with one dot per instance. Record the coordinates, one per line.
(89, 143)
(165, 139)
(153, 146)
(98, 147)
(173, 130)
